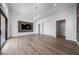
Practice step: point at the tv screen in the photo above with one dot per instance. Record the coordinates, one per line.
(26, 26)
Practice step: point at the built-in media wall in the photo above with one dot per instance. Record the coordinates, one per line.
(25, 26)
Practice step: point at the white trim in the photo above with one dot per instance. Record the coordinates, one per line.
(74, 41)
(77, 43)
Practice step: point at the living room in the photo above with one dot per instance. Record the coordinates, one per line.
(26, 27)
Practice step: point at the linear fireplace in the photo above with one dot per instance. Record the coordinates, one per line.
(25, 26)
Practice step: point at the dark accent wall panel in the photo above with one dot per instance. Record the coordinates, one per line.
(78, 22)
(78, 17)
(25, 26)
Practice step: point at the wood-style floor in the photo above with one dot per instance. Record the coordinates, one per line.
(39, 45)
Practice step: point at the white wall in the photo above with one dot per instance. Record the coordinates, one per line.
(13, 24)
(50, 28)
(50, 23)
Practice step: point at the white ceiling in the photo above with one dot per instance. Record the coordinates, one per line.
(43, 9)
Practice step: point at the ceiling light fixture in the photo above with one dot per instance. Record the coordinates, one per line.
(36, 17)
(55, 4)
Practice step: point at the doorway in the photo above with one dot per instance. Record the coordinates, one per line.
(61, 29)
(39, 29)
(3, 28)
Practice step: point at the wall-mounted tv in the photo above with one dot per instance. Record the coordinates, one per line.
(25, 26)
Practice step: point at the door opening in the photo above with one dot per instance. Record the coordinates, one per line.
(61, 29)
(39, 29)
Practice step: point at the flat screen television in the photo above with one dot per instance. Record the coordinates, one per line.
(26, 26)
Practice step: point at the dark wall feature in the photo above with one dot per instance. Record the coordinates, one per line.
(25, 26)
(78, 22)
(78, 17)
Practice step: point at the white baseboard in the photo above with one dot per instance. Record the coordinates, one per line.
(75, 41)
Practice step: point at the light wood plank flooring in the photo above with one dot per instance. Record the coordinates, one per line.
(39, 45)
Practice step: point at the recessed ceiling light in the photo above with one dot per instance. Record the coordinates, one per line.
(55, 4)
